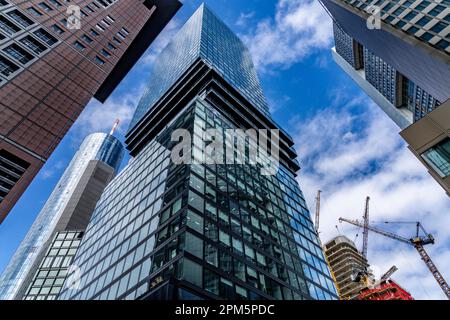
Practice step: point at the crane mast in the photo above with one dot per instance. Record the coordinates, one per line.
(418, 242)
(365, 228)
(316, 223)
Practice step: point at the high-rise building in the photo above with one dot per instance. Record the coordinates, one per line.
(52, 64)
(68, 208)
(398, 52)
(163, 230)
(347, 264)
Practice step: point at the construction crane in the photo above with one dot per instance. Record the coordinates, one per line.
(418, 242)
(316, 224)
(366, 228)
(388, 273)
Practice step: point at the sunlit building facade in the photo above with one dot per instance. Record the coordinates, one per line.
(164, 231)
(69, 207)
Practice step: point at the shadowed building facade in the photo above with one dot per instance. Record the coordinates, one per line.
(166, 231)
(49, 72)
(404, 67)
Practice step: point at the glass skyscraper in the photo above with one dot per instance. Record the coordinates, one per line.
(163, 230)
(98, 157)
(398, 53)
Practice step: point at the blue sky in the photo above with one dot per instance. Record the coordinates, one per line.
(347, 147)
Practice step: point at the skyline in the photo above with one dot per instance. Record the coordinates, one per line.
(347, 120)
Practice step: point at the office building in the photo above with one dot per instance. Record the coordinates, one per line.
(69, 208)
(52, 64)
(346, 263)
(163, 230)
(403, 64)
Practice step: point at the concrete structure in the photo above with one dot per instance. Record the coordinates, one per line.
(346, 262)
(429, 140)
(386, 290)
(404, 66)
(69, 207)
(165, 231)
(50, 67)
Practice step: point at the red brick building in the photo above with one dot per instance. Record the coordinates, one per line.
(49, 72)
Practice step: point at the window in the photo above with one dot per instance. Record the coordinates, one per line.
(195, 201)
(211, 282)
(111, 46)
(45, 7)
(79, 46)
(34, 12)
(194, 221)
(20, 18)
(192, 272)
(46, 37)
(116, 40)
(55, 3)
(224, 238)
(87, 39)
(193, 245)
(438, 157)
(211, 255)
(438, 27)
(7, 68)
(8, 26)
(105, 53)
(99, 60)
(57, 29)
(94, 33)
(19, 54)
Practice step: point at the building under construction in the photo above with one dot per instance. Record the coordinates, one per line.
(346, 262)
(386, 290)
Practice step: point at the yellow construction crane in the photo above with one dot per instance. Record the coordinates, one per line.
(418, 242)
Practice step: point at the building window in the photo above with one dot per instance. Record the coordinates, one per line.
(105, 53)
(87, 39)
(94, 33)
(34, 12)
(45, 7)
(57, 29)
(8, 26)
(116, 40)
(55, 3)
(438, 157)
(46, 37)
(79, 46)
(33, 44)
(7, 67)
(99, 60)
(111, 46)
(20, 18)
(18, 53)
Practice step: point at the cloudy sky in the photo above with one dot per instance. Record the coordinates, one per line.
(347, 147)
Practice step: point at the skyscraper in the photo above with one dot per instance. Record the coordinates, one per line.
(346, 262)
(68, 208)
(398, 52)
(163, 230)
(51, 66)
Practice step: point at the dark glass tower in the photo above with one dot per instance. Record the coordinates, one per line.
(201, 231)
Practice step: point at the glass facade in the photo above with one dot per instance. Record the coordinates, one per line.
(400, 91)
(427, 20)
(207, 38)
(97, 146)
(49, 278)
(438, 157)
(200, 231)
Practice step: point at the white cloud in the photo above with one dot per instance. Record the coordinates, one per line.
(98, 117)
(244, 18)
(299, 28)
(353, 150)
